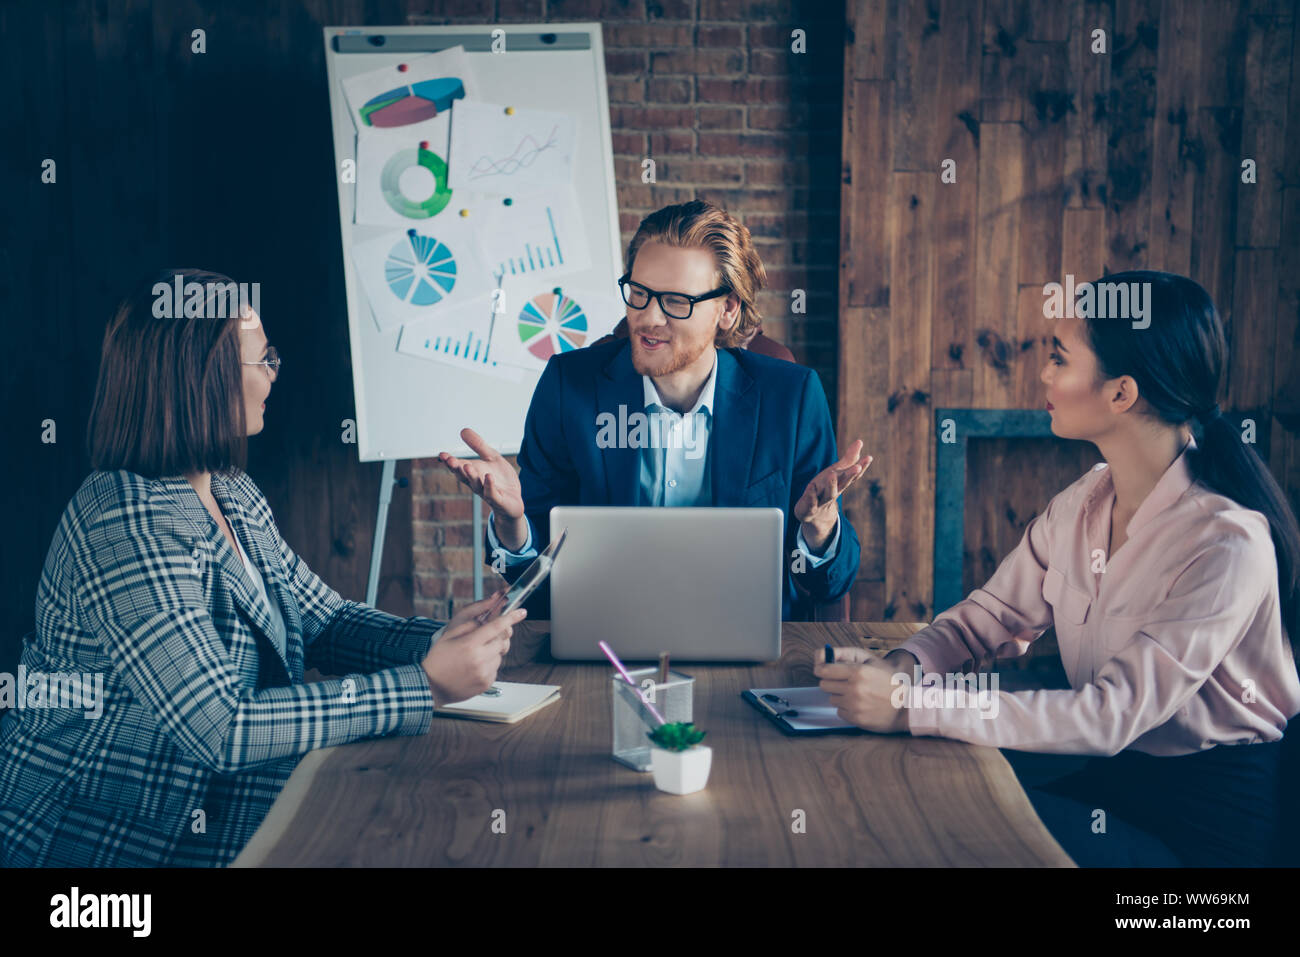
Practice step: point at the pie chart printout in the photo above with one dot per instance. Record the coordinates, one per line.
(420, 270)
(552, 323)
(422, 100)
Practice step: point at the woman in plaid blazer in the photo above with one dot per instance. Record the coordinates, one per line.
(168, 577)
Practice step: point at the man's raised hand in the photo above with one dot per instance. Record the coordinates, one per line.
(491, 476)
(495, 480)
(816, 508)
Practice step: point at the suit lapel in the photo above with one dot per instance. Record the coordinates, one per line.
(254, 538)
(734, 433)
(620, 392)
(234, 574)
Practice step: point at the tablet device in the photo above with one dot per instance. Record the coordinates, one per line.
(533, 575)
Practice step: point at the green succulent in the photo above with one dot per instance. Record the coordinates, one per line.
(676, 735)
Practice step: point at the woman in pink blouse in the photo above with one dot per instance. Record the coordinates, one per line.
(1170, 574)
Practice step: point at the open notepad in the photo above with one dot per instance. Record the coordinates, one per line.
(815, 712)
(512, 701)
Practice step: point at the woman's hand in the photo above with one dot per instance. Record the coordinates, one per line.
(861, 688)
(464, 660)
(480, 611)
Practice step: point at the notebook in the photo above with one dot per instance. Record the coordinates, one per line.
(505, 702)
(816, 715)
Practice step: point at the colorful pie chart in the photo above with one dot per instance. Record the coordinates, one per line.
(412, 104)
(552, 323)
(420, 270)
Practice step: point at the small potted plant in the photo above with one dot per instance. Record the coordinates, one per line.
(679, 762)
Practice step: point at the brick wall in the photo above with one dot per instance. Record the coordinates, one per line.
(712, 92)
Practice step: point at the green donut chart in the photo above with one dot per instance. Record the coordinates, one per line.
(390, 183)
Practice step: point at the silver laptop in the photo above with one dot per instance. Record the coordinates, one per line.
(703, 584)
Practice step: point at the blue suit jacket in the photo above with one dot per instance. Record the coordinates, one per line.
(771, 434)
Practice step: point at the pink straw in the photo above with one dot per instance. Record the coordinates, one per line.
(609, 653)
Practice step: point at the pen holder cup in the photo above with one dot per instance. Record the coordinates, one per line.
(633, 720)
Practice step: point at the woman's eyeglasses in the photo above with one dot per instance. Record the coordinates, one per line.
(272, 363)
(676, 305)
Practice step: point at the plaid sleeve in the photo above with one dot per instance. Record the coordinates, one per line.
(342, 635)
(137, 586)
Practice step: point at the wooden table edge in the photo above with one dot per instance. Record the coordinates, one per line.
(283, 810)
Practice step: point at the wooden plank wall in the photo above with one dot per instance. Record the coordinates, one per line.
(171, 158)
(1066, 161)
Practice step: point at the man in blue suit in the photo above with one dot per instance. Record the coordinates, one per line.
(678, 415)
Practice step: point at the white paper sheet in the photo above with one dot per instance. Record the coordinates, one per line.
(812, 703)
(540, 318)
(515, 152)
(462, 339)
(402, 174)
(534, 236)
(510, 697)
(422, 271)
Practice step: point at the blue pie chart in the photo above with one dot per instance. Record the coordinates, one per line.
(420, 270)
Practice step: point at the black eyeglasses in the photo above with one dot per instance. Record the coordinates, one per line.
(677, 305)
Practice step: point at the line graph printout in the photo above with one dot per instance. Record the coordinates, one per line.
(497, 148)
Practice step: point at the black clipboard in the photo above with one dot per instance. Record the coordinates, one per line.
(772, 713)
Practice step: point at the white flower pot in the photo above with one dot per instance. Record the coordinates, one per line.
(681, 772)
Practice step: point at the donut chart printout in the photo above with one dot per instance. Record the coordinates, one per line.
(401, 174)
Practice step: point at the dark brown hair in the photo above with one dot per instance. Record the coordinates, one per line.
(701, 223)
(1178, 360)
(169, 398)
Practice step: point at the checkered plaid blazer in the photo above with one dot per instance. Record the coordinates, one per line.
(203, 719)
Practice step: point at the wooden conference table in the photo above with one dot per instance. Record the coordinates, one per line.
(868, 800)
